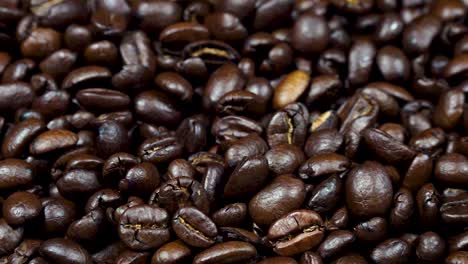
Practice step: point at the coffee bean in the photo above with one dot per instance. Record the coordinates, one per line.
(403, 209)
(61, 250)
(290, 88)
(310, 34)
(296, 232)
(172, 252)
(284, 159)
(21, 207)
(144, 227)
(10, 237)
(156, 107)
(58, 215)
(452, 169)
(336, 242)
(430, 248)
(282, 195)
(227, 252)
(194, 227)
(230, 215)
(373, 230)
(369, 190)
(391, 250)
(240, 181)
(325, 196)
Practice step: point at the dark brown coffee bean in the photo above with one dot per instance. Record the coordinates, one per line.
(369, 190)
(174, 84)
(227, 252)
(287, 126)
(418, 173)
(59, 63)
(180, 192)
(160, 149)
(449, 109)
(172, 252)
(21, 207)
(194, 227)
(335, 243)
(117, 165)
(88, 228)
(393, 64)
(10, 237)
(284, 159)
(112, 137)
(310, 34)
(230, 215)
(25, 251)
(403, 209)
(282, 195)
(133, 257)
(144, 227)
(156, 107)
(225, 79)
(427, 200)
(41, 42)
(457, 257)
(58, 215)
(431, 247)
(102, 100)
(373, 230)
(225, 26)
(16, 141)
(452, 169)
(248, 177)
(61, 250)
(296, 232)
(454, 211)
(418, 36)
(14, 96)
(360, 61)
(391, 251)
(83, 75)
(249, 146)
(323, 164)
(140, 180)
(326, 195)
(386, 147)
(15, 173)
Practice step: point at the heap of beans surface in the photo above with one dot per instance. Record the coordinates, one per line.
(236, 131)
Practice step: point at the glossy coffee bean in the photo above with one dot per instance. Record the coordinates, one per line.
(61, 250)
(144, 227)
(368, 190)
(15, 173)
(430, 248)
(172, 252)
(227, 252)
(194, 227)
(391, 250)
(10, 237)
(21, 207)
(284, 159)
(290, 88)
(306, 224)
(282, 195)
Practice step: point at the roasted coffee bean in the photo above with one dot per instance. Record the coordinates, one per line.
(457, 257)
(386, 147)
(277, 260)
(454, 211)
(373, 230)
(360, 61)
(156, 107)
(249, 146)
(430, 248)
(82, 76)
(326, 195)
(369, 190)
(160, 149)
(287, 126)
(403, 209)
(144, 227)
(240, 181)
(174, 84)
(10, 237)
(25, 251)
(310, 34)
(225, 79)
(102, 100)
(117, 165)
(61, 250)
(230, 215)
(452, 169)
(284, 194)
(449, 109)
(290, 88)
(427, 200)
(141, 180)
(58, 215)
(180, 168)
(335, 243)
(194, 227)
(88, 228)
(419, 35)
(323, 164)
(391, 251)
(180, 192)
(174, 37)
(15, 173)
(284, 159)
(227, 252)
(172, 252)
(296, 232)
(231, 128)
(21, 207)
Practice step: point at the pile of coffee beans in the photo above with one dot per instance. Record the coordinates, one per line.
(233, 131)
